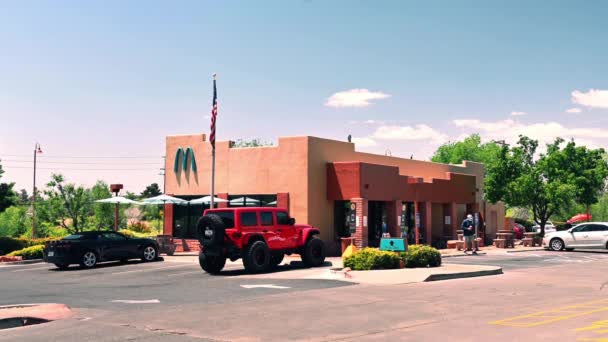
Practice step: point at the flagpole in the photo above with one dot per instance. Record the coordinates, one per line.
(213, 150)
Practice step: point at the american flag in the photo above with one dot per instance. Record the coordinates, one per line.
(213, 116)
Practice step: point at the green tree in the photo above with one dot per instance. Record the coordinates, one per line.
(24, 198)
(103, 213)
(131, 196)
(8, 197)
(470, 149)
(587, 170)
(67, 205)
(151, 191)
(14, 222)
(546, 185)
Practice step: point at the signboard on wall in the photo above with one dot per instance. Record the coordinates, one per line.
(418, 220)
(353, 219)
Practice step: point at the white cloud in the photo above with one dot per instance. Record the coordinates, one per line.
(417, 132)
(573, 110)
(546, 132)
(518, 113)
(364, 142)
(593, 98)
(354, 98)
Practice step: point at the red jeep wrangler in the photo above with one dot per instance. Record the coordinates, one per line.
(261, 236)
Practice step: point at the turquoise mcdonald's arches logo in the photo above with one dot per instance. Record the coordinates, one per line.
(181, 159)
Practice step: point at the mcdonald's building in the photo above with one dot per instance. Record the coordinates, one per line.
(330, 185)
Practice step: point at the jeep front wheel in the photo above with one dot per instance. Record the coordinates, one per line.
(257, 257)
(211, 264)
(314, 252)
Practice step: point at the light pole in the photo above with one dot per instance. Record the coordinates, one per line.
(36, 151)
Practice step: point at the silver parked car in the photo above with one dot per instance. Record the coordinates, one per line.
(584, 235)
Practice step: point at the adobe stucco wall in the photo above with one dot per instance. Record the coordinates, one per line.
(323, 151)
(261, 170)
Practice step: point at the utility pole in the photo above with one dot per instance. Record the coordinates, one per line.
(163, 172)
(36, 151)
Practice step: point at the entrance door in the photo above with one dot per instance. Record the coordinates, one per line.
(376, 217)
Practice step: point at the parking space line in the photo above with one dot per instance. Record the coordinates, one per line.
(148, 269)
(554, 315)
(184, 273)
(33, 269)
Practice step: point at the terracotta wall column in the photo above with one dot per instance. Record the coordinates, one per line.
(168, 214)
(283, 200)
(222, 195)
(428, 222)
(361, 234)
(454, 216)
(393, 211)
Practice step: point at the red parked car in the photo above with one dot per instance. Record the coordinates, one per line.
(260, 236)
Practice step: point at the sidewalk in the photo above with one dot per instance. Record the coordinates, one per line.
(292, 268)
(490, 250)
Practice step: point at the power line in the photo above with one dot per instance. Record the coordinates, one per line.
(77, 163)
(8, 167)
(85, 157)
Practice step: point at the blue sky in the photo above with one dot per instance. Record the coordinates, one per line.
(113, 78)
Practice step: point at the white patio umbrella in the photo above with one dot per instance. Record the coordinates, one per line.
(244, 201)
(272, 203)
(162, 200)
(118, 200)
(207, 199)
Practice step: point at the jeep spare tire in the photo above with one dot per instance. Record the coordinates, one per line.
(314, 252)
(257, 257)
(210, 230)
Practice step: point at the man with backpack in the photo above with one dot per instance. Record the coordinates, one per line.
(468, 230)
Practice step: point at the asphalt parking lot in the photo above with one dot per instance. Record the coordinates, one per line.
(541, 296)
(113, 285)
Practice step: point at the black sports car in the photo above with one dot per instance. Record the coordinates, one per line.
(89, 248)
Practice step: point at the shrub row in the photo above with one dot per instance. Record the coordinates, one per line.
(131, 233)
(421, 256)
(374, 259)
(9, 244)
(32, 252)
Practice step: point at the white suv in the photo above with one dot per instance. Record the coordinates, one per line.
(584, 235)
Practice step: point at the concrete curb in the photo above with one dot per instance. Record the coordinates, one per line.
(22, 262)
(528, 250)
(462, 255)
(448, 276)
